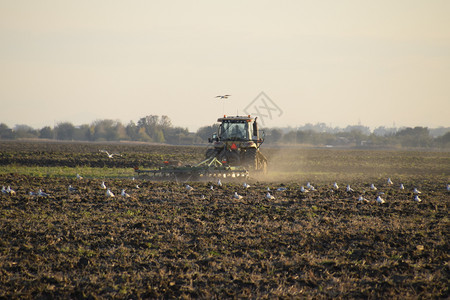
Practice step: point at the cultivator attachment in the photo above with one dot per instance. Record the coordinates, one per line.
(208, 169)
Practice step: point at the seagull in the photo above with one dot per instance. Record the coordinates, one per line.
(448, 187)
(349, 189)
(281, 189)
(401, 186)
(380, 200)
(389, 181)
(373, 187)
(335, 186)
(203, 197)
(71, 188)
(31, 193)
(123, 194)
(269, 196)
(79, 176)
(246, 185)
(312, 188)
(362, 199)
(211, 187)
(103, 186)
(223, 96)
(4, 190)
(417, 199)
(268, 189)
(41, 193)
(110, 155)
(219, 183)
(189, 188)
(137, 186)
(109, 193)
(308, 185)
(10, 191)
(416, 191)
(303, 190)
(237, 196)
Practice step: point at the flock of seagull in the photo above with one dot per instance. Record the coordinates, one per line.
(335, 187)
(268, 195)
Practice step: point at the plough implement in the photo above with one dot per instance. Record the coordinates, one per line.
(209, 169)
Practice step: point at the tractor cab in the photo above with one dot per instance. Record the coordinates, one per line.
(237, 128)
(237, 142)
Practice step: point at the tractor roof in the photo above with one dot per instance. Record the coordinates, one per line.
(235, 119)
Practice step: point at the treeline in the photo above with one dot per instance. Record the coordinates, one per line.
(147, 129)
(158, 129)
(360, 136)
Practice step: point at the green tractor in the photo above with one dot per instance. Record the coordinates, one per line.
(237, 143)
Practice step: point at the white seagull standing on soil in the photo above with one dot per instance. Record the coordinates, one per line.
(349, 189)
(417, 199)
(42, 194)
(448, 187)
(416, 191)
(246, 186)
(389, 181)
(362, 199)
(401, 186)
(109, 193)
(237, 196)
(71, 188)
(219, 183)
(303, 190)
(189, 188)
(103, 185)
(79, 176)
(335, 186)
(380, 200)
(373, 187)
(10, 191)
(124, 194)
(269, 196)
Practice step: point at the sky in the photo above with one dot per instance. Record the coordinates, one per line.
(291, 62)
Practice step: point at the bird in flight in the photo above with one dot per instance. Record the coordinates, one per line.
(110, 155)
(223, 96)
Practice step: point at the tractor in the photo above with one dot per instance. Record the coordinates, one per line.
(234, 153)
(237, 143)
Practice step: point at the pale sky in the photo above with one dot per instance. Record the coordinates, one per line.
(338, 62)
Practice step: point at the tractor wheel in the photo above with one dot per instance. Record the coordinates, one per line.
(251, 159)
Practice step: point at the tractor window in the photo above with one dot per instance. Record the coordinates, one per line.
(234, 131)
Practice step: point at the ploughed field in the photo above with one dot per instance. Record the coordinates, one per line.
(163, 241)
